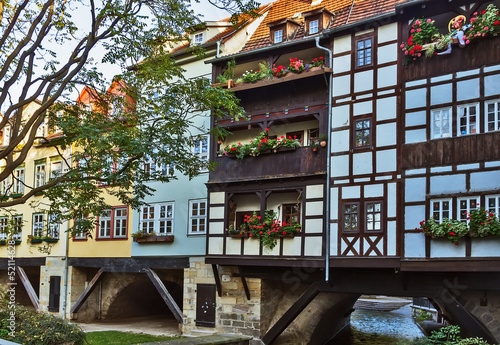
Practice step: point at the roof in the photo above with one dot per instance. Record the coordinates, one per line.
(345, 12)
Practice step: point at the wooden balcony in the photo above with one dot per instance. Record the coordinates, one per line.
(461, 150)
(300, 162)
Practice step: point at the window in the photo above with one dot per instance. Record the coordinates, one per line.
(313, 26)
(198, 38)
(18, 227)
(351, 218)
(362, 133)
(313, 135)
(468, 119)
(53, 226)
(39, 174)
(492, 122)
(201, 149)
(278, 36)
(493, 204)
(440, 123)
(373, 216)
(18, 184)
(465, 205)
(157, 218)
(81, 228)
(364, 52)
(113, 223)
(55, 169)
(440, 209)
(6, 186)
(4, 223)
(197, 216)
(291, 214)
(297, 136)
(155, 166)
(37, 224)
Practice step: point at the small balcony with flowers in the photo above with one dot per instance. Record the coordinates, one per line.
(285, 98)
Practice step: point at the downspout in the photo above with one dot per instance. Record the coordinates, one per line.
(329, 135)
(66, 269)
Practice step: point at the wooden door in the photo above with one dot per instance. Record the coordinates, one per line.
(205, 305)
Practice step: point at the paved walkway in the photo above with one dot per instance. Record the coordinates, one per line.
(155, 325)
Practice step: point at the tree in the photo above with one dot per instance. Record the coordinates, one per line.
(109, 145)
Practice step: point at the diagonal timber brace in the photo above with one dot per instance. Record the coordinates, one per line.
(167, 297)
(88, 290)
(27, 285)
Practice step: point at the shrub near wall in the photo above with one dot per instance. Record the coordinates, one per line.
(35, 328)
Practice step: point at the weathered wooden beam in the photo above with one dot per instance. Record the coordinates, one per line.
(130, 264)
(244, 282)
(167, 297)
(290, 315)
(88, 290)
(4, 262)
(217, 280)
(467, 322)
(27, 285)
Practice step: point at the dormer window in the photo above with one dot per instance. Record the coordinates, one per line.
(198, 38)
(313, 26)
(278, 36)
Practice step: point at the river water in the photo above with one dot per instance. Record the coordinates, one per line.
(379, 328)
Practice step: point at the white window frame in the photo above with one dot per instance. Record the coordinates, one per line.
(278, 36)
(441, 133)
(201, 149)
(470, 127)
(460, 211)
(151, 166)
(40, 169)
(52, 226)
(17, 222)
(198, 38)
(80, 235)
(4, 224)
(53, 169)
(151, 219)
(367, 52)
(314, 26)
(197, 220)
(375, 224)
(37, 226)
(496, 114)
(18, 181)
(441, 211)
(496, 207)
(105, 224)
(120, 222)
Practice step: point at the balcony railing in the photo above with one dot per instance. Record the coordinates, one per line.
(294, 163)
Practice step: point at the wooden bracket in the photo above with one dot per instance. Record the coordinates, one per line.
(167, 297)
(27, 285)
(88, 290)
(244, 282)
(217, 280)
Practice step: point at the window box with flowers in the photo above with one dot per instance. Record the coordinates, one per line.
(33, 239)
(242, 232)
(268, 231)
(483, 223)
(151, 237)
(451, 229)
(50, 239)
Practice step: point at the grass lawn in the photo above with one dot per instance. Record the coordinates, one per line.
(123, 338)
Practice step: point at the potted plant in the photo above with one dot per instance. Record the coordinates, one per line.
(314, 145)
(451, 229)
(322, 140)
(233, 232)
(226, 79)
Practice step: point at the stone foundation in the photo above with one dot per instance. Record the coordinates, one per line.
(488, 314)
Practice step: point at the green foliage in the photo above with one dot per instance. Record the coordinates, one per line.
(252, 77)
(36, 328)
(483, 223)
(258, 145)
(451, 229)
(123, 338)
(270, 229)
(421, 316)
(448, 335)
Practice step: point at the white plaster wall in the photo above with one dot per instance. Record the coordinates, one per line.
(315, 191)
(483, 181)
(415, 189)
(363, 81)
(314, 208)
(272, 252)
(415, 98)
(334, 233)
(388, 33)
(443, 248)
(343, 247)
(341, 85)
(386, 108)
(388, 53)
(342, 64)
(334, 204)
(485, 247)
(374, 190)
(414, 245)
(252, 247)
(216, 227)
(386, 134)
(233, 246)
(291, 246)
(415, 119)
(441, 94)
(313, 246)
(491, 85)
(468, 89)
(362, 163)
(446, 184)
(362, 108)
(351, 192)
(340, 116)
(387, 76)
(340, 141)
(391, 238)
(216, 212)
(391, 199)
(415, 136)
(386, 161)
(342, 44)
(314, 226)
(215, 246)
(413, 216)
(217, 197)
(340, 166)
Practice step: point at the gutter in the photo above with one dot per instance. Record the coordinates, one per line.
(329, 135)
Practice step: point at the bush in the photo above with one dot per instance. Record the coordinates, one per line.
(35, 328)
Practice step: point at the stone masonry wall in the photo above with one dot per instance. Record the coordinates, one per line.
(54, 266)
(488, 314)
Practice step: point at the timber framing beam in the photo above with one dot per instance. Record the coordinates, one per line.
(244, 282)
(217, 280)
(290, 315)
(88, 290)
(465, 320)
(27, 285)
(167, 297)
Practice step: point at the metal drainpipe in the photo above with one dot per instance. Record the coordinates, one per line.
(66, 268)
(329, 132)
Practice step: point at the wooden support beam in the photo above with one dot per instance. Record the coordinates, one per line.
(467, 322)
(88, 290)
(27, 285)
(167, 297)
(290, 315)
(217, 280)
(244, 281)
